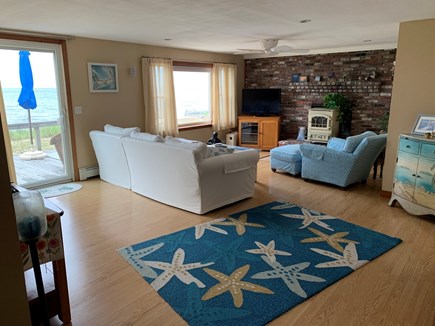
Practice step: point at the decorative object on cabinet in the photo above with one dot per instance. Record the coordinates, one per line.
(425, 123)
(414, 178)
(322, 125)
(259, 132)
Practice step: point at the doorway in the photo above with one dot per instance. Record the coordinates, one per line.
(39, 138)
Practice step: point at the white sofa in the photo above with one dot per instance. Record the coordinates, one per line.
(176, 173)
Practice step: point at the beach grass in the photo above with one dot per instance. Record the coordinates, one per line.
(20, 139)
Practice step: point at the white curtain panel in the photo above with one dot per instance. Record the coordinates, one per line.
(159, 97)
(224, 96)
(6, 138)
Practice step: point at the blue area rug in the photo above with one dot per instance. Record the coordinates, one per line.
(252, 266)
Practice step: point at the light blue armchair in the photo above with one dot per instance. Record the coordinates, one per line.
(343, 161)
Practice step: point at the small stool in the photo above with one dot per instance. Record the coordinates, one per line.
(286, 158)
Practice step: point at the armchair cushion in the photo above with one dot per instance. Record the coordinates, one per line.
(336, 143)
(352, 142)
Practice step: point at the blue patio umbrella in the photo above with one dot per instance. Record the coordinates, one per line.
(27, 99)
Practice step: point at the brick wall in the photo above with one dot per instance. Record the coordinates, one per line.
(347, 73)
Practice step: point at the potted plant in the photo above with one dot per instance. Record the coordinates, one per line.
(343, 106)
(383, 123)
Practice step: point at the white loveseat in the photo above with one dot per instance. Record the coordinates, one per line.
(176, 173)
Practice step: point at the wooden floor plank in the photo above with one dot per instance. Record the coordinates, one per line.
(397, 288)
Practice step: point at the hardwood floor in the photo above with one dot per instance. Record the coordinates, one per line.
(397, 288)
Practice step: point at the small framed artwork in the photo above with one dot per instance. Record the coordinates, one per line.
(425, 123)
(103, 77)
(318, 78)
(303, 79)
(295, 78)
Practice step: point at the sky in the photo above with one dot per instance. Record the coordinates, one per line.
(42, 67)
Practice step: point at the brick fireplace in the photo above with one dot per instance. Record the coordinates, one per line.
(364, 77)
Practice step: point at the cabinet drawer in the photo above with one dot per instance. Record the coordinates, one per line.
(428, 150)
(408, 145)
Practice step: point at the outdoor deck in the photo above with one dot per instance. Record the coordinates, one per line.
(38, 170)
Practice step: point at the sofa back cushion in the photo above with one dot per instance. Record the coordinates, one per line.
(146, 136)
(199, 149)
(352, 142)
(120, 131)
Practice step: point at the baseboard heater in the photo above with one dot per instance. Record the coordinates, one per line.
(89, 172)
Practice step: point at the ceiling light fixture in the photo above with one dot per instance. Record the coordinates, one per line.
(304, 21)
(167, 39)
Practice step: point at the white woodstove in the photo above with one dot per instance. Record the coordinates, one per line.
(322, 125)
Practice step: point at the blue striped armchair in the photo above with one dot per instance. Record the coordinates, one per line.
(343, 161)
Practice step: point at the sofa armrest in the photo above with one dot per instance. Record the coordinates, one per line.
(230, 163)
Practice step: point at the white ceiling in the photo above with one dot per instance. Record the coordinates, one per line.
(222, 25)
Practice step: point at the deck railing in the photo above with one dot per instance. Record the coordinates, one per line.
(36, 126)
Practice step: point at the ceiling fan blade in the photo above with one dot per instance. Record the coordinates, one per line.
(288, 49)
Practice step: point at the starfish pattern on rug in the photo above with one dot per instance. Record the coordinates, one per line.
(349, 258)
(234, 284)
(240, 223)
(228, 253)
(176, 268)
(134, 257)
(197, 314)
(289, 274)
(333, 240)
(268, 250)
(200, 229)
(309, 218)
(284, 205)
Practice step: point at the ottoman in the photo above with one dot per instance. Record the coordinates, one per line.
(286, 158)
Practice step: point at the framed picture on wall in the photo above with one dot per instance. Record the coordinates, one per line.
(103, 77)
(425, 123)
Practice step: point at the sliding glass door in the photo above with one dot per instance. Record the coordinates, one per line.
(35, 108)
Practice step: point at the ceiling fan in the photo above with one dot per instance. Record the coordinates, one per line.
(271, 47)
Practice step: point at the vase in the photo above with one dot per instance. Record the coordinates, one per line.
(301, 134)
(30, 215)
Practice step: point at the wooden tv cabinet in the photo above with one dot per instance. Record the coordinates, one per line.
(259, 132)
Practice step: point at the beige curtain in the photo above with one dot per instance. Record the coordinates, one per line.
(6, 138)
(224, 96)
(159, 97)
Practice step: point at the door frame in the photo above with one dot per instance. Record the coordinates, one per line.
(65, 87)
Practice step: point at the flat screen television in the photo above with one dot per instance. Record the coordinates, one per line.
(261, 101)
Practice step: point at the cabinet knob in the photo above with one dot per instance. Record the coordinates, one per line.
(407, 146)
(413, 175)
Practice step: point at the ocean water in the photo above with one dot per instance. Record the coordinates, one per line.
(47, 106)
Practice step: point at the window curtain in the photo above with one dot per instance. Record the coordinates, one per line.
(159, 97)
(4, 122)
(224, 96)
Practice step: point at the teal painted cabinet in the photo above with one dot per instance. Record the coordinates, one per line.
(414, 177)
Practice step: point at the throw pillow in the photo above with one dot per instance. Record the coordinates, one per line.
(146, 136)
(216, 151)
(352, 142)
(120, 131)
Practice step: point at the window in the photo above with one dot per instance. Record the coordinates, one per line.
(192, 85)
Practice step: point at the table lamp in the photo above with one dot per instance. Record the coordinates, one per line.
(32, 224)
